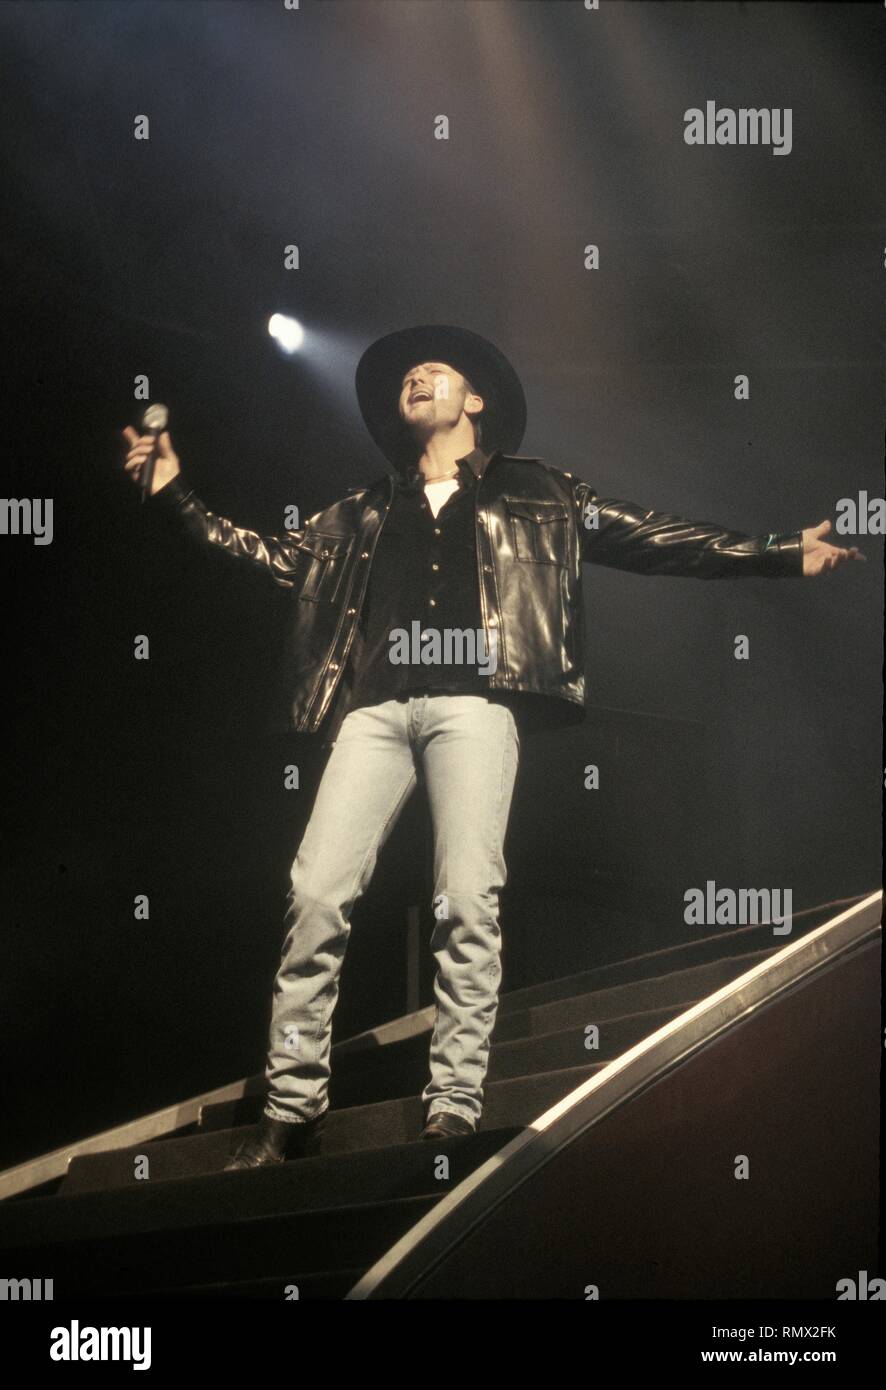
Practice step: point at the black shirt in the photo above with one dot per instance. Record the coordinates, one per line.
(423, 579)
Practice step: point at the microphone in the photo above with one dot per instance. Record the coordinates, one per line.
(154, 421)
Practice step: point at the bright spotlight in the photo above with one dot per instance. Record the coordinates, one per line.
(286, 332)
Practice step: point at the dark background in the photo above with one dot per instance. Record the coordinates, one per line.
(315, 127)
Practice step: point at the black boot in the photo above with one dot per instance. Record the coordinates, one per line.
(275, 1141)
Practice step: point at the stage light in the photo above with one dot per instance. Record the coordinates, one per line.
(286, 332)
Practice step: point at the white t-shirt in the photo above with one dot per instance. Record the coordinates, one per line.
(438, 492)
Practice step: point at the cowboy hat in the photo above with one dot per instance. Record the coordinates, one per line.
(379, 381)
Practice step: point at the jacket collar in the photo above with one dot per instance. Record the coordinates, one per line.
(471, 467)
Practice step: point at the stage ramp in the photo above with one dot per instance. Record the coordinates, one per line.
(719, 1141)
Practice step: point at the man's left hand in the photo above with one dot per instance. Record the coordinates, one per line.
(819, 556)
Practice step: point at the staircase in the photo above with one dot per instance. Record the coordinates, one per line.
(160, 1217)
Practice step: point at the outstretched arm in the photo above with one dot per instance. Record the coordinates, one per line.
(624, 535)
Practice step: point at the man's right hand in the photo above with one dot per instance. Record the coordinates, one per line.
(166, 466)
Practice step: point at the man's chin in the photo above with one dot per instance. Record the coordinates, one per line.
(419, 430)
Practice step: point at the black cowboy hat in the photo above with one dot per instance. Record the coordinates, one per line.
(383, 365)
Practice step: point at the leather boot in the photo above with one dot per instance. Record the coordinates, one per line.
(444, 1125)
(275, 1141)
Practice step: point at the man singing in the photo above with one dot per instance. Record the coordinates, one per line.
(474, 554)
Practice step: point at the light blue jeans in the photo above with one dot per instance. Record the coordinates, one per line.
(465, 751)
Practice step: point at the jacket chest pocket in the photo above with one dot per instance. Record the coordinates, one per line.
(538, 530)
(324, 559)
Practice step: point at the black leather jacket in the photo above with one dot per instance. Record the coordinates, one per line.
(534, 525)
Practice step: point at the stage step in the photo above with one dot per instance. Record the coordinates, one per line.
(736, 944)
(508, 1103)
(316, 1223)
(281, 1245)
(371, 1175)
(509, 1100)
(402, 1069)
(679, 987)
(526, 1040)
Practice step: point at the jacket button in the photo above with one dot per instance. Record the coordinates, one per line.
(432, 602)
(488, 569)
(364, 555)
(333, 665)
(435, 566)
(493, 621)
(437, 531)
(351, 612)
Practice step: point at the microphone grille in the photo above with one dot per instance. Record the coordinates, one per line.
(155, 417)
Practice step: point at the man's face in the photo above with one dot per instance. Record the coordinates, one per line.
(434, 394)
